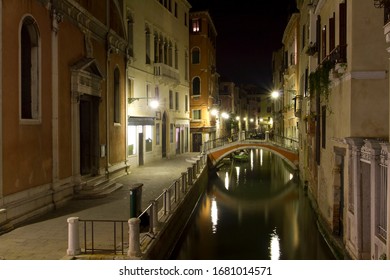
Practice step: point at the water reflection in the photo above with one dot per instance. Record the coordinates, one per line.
(274, 247)
(254, 210)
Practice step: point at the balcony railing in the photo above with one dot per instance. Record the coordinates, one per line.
(165, 71)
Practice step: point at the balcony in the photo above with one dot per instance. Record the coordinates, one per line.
(166, 73)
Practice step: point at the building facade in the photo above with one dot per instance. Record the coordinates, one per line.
(62, 123)
(157, 80)
(345, 111)
(203, 79)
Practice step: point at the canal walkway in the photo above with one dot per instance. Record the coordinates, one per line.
(46, 238)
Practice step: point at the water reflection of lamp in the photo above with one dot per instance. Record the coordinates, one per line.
(274, 246)
(214, 214)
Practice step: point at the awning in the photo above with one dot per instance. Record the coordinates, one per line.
(140, 120)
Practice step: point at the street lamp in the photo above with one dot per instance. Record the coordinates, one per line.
(275, 94)
(153, 102)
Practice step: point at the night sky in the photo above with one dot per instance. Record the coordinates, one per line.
(248, 32)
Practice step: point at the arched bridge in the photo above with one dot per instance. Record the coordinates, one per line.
(216, 154)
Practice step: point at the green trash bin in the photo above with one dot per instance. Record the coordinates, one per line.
(135, 200)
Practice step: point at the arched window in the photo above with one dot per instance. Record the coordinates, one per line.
(29, 60)
(195, 56)
(196, 86)
(147, 45)
(117, 112)
(130, 34)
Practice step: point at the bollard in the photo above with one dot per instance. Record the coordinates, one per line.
(189, 176)
(73, 237)
(184, 182)
(134, 243)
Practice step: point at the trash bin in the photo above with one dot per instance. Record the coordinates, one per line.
(135, 200)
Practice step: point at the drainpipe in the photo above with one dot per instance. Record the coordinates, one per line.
(109, 50)
(1, 106)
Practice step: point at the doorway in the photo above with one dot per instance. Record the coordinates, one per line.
(196, 142)
(89, 135)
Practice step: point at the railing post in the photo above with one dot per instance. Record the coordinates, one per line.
(134, 234)
(198, 166)
(154, 224)
(177, 190)
(189, 169)
(73, 237)
(184, 182)
(167, 201)
(194, 170)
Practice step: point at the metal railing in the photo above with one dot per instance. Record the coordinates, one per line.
(109, 235)
(94, 232)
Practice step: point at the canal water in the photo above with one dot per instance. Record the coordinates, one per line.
(253, 209)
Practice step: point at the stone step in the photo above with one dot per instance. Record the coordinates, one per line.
(101, 189)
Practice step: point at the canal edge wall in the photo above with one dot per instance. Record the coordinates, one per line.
(162, 245)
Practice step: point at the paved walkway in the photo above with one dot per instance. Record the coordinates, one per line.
(46, 238)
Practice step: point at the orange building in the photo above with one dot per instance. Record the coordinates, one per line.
(62, 83)
(203, 79)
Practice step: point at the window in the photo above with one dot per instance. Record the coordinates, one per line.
(157, 93)
(196, 114)
(176, 9)
(196, 86)
(186, 103)
(171, 100)
(177, 101)
(171, 127)
(30, 78)
(176, 58)
(323, 126)
(130, 32)
(332, 33)
(147, 46)
(381, 203)
(157, 134)
(147, 94)
(195, 56)
(117, 116)
(148, 138)
(196, 25)
(132, 140)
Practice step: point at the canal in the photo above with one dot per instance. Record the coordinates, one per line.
(253, 208)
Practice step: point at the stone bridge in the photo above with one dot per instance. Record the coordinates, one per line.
(216, 154)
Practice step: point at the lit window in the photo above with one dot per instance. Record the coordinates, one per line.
(195, 25)
(196, 114)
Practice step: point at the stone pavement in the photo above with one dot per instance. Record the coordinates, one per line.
(46, 238)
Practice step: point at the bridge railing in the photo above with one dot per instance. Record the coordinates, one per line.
(285, 142)
(219, 142)
(277, 140)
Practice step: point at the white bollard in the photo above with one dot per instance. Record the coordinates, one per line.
(134, 234)
(73, 237)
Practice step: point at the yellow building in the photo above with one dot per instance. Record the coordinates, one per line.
(203, 79)
(291, 84)
(157, 72)
(348, 102)
(63, 77)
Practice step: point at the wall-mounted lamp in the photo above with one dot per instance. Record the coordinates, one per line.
(153, 102)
